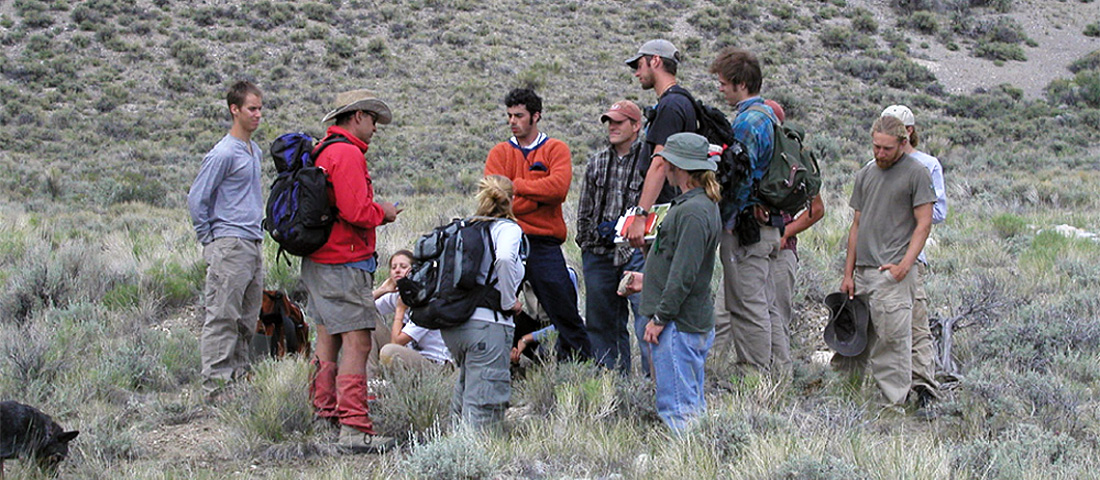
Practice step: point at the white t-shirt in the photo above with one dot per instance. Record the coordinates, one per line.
(428, 342)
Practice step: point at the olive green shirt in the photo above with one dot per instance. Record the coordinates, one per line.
(885, 200)
(680, 263)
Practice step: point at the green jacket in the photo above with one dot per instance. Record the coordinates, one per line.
(681, 262)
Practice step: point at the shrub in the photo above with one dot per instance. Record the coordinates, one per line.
(827, 467)
(1087, 62)
(864, 21)
(902, 73)
(923, 22)
(1002, 51)
(842, 38)
(1092, 30)
(1008, 225)
(414, 402)
(30, 365)
(274, 407)
(863, 68)
(1023, 448)
(726, 432)
(188, 54)
(134, 364)
(320, 12)
(343, 47)
(462, 456)
(912, 6)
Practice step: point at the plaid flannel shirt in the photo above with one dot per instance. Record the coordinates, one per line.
(611, 185)
(755, 131)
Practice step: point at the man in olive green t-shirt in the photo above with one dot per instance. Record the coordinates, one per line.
(892, 199)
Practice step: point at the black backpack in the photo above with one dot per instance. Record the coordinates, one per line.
(733, 167)
(452, 274)
(793, 177)
(299, 215)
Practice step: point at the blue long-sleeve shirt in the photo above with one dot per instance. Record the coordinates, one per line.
(755, 131)
(227, 198)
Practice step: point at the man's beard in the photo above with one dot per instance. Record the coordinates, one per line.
(884, 164)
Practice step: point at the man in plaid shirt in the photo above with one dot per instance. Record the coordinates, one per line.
(612, 182)
(749, 245)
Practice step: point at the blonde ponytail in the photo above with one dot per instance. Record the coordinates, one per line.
(709, 182)
(494, 197)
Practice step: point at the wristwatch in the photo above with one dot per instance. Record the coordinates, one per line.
(657, 321)
(638, 212)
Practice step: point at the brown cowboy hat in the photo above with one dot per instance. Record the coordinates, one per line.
(847, 329)
(353, 100)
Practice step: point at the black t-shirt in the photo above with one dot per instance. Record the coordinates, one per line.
(675, 114)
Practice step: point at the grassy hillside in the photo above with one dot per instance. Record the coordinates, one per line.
(108, 106)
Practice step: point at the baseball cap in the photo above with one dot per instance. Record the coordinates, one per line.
(660, 48)
(622, 110)
(900, 112)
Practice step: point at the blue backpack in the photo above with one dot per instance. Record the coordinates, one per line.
(299, 215)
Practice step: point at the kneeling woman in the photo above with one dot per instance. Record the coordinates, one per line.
(676, 294)
(481, 346)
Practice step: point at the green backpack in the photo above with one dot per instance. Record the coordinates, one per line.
(793, 178)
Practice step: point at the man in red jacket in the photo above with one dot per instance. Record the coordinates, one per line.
(541, 168)
(339, 277)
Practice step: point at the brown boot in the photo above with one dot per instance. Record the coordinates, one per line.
(353, 440)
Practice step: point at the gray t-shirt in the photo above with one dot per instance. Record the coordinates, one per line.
(885, 200)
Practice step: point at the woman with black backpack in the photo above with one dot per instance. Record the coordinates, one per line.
(481, 346)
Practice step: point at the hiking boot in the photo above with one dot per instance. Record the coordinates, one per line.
(924, 398)
(353, 440)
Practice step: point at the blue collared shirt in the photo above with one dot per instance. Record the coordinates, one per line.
(756, 132)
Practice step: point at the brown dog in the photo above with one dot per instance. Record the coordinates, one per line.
(282, 324)
(26, 432)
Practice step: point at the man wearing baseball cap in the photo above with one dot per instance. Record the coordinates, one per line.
(612, 184)
(655, 66)
(339, 277)
(924, 388)
(676, 294)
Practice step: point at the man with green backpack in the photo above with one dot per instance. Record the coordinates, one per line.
(780, 177)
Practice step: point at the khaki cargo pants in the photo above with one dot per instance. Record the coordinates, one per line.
(889, 336)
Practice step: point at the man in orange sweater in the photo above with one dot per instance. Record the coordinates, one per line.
(540, 169)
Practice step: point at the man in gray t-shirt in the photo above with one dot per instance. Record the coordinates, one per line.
(892, 199)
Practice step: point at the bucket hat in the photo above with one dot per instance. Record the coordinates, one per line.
(846, 331)
(688, 151)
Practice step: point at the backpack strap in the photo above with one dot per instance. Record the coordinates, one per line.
(331, 139)
(694, 104)
(756, 107)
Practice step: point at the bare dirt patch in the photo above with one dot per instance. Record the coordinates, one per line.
(1057, 27)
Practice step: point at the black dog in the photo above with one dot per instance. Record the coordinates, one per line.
(26, 432)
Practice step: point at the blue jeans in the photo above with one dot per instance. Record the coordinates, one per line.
(678, 361)
(549, 278)
(606, 312)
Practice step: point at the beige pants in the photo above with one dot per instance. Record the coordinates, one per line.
(924, 349)
(404, 355)
(747, 293)
(233, 293)
(782, 310)
(889, 336)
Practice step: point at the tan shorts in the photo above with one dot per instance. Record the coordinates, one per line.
(340, 297)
